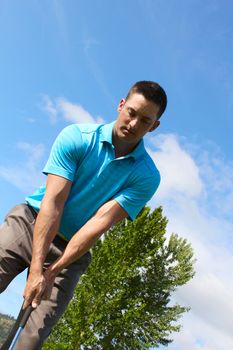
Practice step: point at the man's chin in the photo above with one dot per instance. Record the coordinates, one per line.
(129, 138)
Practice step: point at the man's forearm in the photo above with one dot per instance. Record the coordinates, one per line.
(46, 227)
(39, 283)
(80, 243)
(107, 216)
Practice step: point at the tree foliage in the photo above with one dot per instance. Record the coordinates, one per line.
(6, 323)
(123, 300)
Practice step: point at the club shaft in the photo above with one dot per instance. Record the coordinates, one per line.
(14, 341)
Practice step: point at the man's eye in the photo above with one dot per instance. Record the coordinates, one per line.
(146, 121)
(131, 111)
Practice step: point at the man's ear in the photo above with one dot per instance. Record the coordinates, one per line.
(121, 104)
(155, 125)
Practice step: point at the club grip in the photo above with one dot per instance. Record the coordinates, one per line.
(26, 314)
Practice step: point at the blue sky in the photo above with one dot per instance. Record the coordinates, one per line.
(72, 61)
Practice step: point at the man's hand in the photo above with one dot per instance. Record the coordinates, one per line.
(34, 289)
(39, 283)
(38, 287)
(50, 278)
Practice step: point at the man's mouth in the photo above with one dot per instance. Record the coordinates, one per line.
(128, 131)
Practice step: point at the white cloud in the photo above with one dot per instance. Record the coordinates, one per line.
(74, 112)
(179, 173)
(49, 106)
(218, 175)
(211, 300)
(193, 193)
(69, 111)
(210, 338)
(25, 175)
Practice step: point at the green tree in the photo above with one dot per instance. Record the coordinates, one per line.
(123, 300)
(6, 323)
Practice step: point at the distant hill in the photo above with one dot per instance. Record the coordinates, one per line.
(6, 323)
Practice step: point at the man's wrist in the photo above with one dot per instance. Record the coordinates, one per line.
(53, 270)
(36, 270)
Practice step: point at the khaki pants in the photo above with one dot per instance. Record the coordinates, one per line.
(15, 255)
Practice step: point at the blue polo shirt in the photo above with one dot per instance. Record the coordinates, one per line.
(84, 154)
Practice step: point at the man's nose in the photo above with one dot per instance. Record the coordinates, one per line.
(133, 123)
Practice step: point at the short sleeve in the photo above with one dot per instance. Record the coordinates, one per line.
(135, 196)
(65, 153)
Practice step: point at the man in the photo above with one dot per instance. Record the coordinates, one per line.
(97, 175)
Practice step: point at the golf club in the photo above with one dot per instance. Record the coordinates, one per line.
(17, 329)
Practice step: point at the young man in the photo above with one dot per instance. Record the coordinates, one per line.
(97, 175)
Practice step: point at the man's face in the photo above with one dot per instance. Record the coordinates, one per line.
(137, 116)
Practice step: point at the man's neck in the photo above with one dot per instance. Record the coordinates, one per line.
(121, 152)
(122, 148)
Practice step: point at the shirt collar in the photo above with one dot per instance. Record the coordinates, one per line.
(138, 152)
(106, 133)
(106, 136)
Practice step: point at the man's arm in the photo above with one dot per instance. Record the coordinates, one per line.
(108, 215)
(46, 227)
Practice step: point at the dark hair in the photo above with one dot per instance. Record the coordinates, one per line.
(152, 92)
